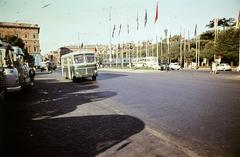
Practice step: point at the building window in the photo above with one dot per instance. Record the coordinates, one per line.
(25, 35)
(34, 36)
(35, 49)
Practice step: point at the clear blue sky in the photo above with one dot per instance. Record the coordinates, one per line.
(67, 22)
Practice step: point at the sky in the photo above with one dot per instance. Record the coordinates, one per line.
(71, 22)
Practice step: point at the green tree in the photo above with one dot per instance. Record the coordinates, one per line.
(227, 45)
(15, 41)
(208, 50)
(223, 22)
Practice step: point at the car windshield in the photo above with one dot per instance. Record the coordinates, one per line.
(78, 58)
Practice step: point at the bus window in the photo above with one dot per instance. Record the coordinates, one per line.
(89, 58)
(78, 58)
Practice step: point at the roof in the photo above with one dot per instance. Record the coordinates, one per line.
(78, 52)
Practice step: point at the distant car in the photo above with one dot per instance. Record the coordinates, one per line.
(174, 66)
(164, 66)
(238, 68)
(43, 66)
(224, 67)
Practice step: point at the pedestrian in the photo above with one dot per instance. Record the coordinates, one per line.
(214, 68)
(32, 75)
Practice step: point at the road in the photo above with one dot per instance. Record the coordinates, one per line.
(194, 112)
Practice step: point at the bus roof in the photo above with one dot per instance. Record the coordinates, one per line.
(77, 52)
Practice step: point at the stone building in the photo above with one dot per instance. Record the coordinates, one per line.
(29, 33)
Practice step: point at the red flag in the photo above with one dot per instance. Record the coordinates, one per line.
(156, 16)
(145, 19)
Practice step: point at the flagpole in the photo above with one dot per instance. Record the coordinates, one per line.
(196, 53)
(239, 51)
(110, 56)
(137, 51)
(157, 49)
(122, 56)
(199, 51)
(184, 49)
(161, 49)
(196, 47)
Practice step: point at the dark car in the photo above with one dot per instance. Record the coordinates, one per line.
(164, 66)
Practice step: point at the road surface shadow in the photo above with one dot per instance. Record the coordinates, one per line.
(106, 76)
(28, 126)
(84, 136)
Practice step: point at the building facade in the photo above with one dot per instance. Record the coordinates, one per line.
(29, 33)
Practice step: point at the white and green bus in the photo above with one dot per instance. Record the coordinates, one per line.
(80, 64)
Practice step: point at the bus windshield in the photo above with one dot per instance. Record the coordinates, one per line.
(78, 58)
(89, 58)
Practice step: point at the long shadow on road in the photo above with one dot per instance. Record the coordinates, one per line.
(30, 127)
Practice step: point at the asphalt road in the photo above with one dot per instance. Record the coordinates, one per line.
(194, 112)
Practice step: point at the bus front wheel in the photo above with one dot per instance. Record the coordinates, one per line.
(94, 78)
(74, 79)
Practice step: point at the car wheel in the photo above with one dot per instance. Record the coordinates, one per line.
(74, 79)
(94, 78)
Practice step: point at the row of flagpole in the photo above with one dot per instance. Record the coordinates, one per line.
(197, 39)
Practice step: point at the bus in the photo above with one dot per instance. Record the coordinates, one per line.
(79, 64)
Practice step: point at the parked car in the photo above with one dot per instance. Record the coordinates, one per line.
(224, 67)
(43, 66)
(164, 66)
(238, 68)
(174, 66)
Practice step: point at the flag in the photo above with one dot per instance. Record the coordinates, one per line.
(120, 28)
(145, 18)
(195, 32)
(128, 28)
(113, 30)
(238, 22)
(156, 15)
(137, 23)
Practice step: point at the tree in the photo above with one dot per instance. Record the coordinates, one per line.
(223, 22)
(15, 41)
(208, 50)
(227, 45)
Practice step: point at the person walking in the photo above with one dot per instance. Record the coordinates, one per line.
(32, 75)
(214, 68)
